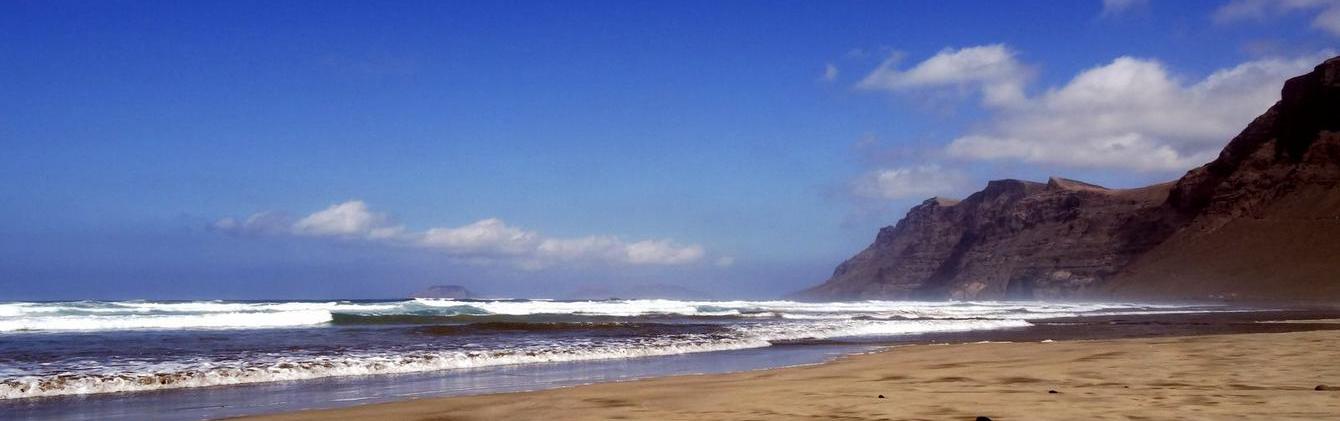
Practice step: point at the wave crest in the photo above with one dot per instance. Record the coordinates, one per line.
(177, 321)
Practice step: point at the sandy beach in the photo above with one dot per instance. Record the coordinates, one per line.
(1239, 376)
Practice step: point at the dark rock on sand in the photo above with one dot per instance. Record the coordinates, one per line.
(1258, 223)
(1052, 392)
(882, 396)
(983, 419)
(1321, 387)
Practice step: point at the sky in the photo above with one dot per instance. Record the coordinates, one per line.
(245, 150)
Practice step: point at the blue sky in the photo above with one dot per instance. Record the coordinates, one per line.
(348, 149)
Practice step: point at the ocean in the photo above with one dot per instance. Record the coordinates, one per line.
(126, 349)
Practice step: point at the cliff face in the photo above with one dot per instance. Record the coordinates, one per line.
(1015, 239)
(1263, 219)
(1270, 200)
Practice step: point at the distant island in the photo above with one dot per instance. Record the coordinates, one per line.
(444, 291)
(1261, 222)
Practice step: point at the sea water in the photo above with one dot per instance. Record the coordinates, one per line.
(86, 348)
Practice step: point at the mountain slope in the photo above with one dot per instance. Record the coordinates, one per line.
(1266, 213)
(1259, 222)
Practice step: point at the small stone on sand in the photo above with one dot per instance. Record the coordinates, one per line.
(1323, 387)
(881, 396)
(983, 418)
(1053, 392)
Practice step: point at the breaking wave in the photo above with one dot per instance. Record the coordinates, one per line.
(285, 368)
(422, 335)
(134, 315)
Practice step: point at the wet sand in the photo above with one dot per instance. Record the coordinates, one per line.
(1216, 376)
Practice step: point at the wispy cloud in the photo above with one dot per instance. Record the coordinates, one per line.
(1326, 18)
(830, 73)
(910, 182)
(892, 174)
(488, 240)
(1114, 8)
(992, 70)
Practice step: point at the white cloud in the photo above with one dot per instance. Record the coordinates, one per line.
(259, 223)
(352, 219)
(725, 261)
(1327, 18)
(1117, 7)
(830, 72)
(566, 249)
(992, 70)
(662, 252)
(486, 240)
(1133, 114)
(485, 237)
(1129, 151)
(916, 182)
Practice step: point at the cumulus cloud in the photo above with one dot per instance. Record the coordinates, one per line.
(992, 70)
(915, 182)
(1327, 16)
(1132, 113)
(486, 240)
(348, 219)
(485, 237)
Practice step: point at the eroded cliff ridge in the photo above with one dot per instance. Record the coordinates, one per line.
(1260, 222)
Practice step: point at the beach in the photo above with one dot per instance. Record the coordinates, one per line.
(739, 360)
(1232, 376)
(613, 210)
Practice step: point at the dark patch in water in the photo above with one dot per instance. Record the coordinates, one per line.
(594, 328)
(810, 341)
(348, 319)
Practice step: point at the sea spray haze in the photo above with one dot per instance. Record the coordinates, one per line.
(89, 347)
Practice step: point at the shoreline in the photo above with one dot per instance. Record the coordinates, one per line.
(1198, 361)
(354, 377)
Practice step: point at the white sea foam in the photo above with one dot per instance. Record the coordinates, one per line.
(746, 324)
(797, 310)
(280, 368)
(826, 329)
(133, 315)
(593, 308)
(123, 315)
(190, 321)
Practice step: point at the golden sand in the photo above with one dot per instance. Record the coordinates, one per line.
(1246, 376)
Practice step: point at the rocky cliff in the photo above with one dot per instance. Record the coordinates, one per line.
(1262, 221)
